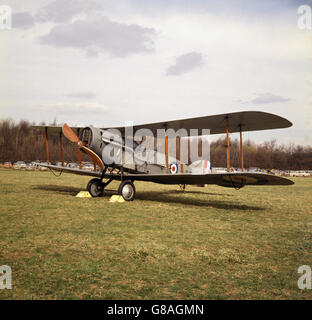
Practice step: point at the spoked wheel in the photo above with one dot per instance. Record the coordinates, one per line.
(95, 187)
(127, 190)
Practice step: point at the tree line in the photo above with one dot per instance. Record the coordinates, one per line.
(19, 141)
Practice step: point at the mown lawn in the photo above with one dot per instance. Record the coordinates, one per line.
(205, 243)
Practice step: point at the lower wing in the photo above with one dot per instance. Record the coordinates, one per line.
(229, 179)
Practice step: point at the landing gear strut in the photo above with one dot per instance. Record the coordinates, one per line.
(127, 190)
(96, 186)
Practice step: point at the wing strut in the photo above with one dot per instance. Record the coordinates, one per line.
(227, 143)
(61, 148)
(180, 153)
(47, 144)
(79, 152)
(241, 147)
(166, 150)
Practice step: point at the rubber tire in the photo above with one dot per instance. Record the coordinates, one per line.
(121, 187)
(95, 183)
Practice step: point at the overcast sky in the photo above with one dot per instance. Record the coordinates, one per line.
(105, 62)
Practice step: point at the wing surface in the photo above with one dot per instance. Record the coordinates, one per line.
(231, 179)
(246, 120)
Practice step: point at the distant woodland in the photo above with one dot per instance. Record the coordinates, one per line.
(18, 141)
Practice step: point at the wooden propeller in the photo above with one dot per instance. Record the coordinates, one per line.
(71, 136)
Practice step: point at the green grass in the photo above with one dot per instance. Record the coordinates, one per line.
(205, 243)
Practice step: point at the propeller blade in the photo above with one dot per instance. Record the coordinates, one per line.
(70, 134)
(94, 157)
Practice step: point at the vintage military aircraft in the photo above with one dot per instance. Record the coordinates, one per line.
(93, 141)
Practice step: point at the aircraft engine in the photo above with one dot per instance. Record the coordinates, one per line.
(92, 137)
(96, 139)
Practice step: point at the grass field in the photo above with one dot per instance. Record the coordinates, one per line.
(205, 243)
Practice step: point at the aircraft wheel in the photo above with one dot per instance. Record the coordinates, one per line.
(95, 187)
(127, 190)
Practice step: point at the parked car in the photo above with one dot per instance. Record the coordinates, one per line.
(7, 165)
(19, 165)
(30, 166)
(88, 167)
(299, 173)
(43, 168)
(59, 163)
(34, 165)
(73, 165)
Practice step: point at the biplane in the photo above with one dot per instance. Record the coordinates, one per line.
(93, 141)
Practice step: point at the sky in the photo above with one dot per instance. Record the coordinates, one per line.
(104, 62)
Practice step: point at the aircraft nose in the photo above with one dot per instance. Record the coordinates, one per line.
(86, 136)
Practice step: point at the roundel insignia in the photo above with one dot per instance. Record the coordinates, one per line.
(173, 168)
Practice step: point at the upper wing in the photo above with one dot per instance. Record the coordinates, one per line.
(231, 179)
(244, 121)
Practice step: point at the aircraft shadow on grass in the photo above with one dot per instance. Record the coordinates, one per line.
(183, 199)
(171, 196)
(66, 190)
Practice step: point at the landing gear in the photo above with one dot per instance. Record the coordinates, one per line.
(127, 190)
(95, 187)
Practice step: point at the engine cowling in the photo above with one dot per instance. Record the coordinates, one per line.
(92, 137)
(96, 139)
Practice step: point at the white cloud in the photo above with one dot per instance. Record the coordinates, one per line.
(23, 20)
(69, 108)
(264, 98)
(101, 35)
(64, 10)
(186, 63)
(81, 95)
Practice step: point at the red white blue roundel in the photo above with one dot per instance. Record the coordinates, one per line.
(173, 168)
